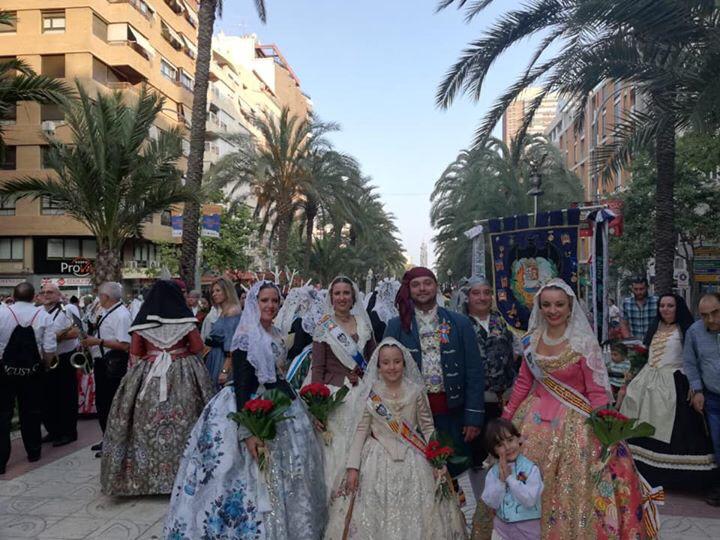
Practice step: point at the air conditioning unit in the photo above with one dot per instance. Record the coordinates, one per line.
(48, 127)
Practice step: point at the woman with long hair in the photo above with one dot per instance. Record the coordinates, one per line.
(680, 452)
(562, 380)
(159, 399)
(218, 360)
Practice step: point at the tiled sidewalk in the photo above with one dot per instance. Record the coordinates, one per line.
(62, 500)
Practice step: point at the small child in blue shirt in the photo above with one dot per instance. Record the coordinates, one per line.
(513, 486)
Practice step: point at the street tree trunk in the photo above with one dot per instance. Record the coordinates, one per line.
(665, 237)
(310, 214)
(284, 222)
(191, 213)
(108, 267)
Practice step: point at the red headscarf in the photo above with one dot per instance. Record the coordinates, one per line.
(181, 284)
(403, 301)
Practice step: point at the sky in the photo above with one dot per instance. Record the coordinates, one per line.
(374, 66)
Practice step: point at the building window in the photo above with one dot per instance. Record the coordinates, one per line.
(69, 248)
(53, 22)
(50, 206)
(12, 27)
(100, 28)
(168, 70)
(166, 215)
(145, 253)
(53, 65)
(7, 205)
(10, 115)
(51, 112)
(185, 147)
(186, 80)
(12, 249)
(8, 158)
(45, 162)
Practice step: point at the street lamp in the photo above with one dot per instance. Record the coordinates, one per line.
(368, 281)
(450, 273)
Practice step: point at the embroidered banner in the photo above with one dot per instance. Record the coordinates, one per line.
(525, 259)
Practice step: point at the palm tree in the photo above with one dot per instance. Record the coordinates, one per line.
(278, 169)
(488, 182)
(326, 193)
(18, 82)
(112, 177)
(668, 49)
(209, 9)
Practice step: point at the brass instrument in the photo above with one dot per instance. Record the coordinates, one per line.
(81, 359)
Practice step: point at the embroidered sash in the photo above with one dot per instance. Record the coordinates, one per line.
(571, 398)
(297, 366)
(400, 427)
(344, 346)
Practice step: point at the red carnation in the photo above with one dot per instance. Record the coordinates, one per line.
(315, 390)
(612, 414)
(259, 405)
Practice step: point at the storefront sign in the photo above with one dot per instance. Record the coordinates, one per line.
(79, 266)
(67, 281)
(706, 264)
(10, 282)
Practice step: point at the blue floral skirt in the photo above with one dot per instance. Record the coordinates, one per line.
(220, 493)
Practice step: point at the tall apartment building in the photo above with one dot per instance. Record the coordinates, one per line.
(512, 119)
(606, 105)
(110, 45)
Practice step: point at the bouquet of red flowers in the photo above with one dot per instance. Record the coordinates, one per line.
(260, 417)
(439, 456)
(611, 427)
(321, 402)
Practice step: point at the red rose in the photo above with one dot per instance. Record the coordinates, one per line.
(315, 390)
(259, 405)
(610, 413)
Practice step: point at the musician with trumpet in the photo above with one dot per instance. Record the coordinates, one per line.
(60, 393)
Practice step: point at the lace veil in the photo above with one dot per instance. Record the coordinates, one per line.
(364, 326)
(579, 333)
(264, 349)
(355, 406)
(386, 291)
(299, 303)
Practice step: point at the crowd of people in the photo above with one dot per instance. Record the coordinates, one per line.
(165, 372)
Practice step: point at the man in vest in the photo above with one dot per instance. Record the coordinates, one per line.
(60, 393)
(111, 337)
(445, 349)
(25, 388)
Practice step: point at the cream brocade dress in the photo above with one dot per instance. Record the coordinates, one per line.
(396, 494)
(651, 395)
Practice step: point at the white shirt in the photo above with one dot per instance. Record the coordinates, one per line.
(114, 326)
(25, 311)
(62, 320)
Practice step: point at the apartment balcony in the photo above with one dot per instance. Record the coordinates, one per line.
(140, 6)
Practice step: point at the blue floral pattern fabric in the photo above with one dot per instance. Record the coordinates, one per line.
(220, 494)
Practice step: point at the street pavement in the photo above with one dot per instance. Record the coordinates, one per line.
(59, 498)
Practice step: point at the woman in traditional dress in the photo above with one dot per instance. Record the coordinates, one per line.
(218, 360)
(342, 343)
(562, 379)
(298, 315)
(680, 453)
(159, 399)
(219, 491)
(385, 486)
(380, 306)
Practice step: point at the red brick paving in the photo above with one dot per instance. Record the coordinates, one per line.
(88, 434)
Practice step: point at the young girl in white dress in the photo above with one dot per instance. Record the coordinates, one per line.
(387, 488)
